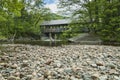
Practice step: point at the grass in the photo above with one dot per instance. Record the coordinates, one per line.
(2, 37)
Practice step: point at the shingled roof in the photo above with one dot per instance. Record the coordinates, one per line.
(56, 22)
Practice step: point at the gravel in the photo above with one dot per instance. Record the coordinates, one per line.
(67, 62)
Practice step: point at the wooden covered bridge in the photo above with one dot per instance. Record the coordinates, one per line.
(53, 28)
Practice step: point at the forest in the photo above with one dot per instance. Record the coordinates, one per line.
(101, 17)
(21, 18)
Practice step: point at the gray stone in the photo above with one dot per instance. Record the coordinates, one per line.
(95, 76)
(102, 68)
(1, 77)
(59, 64)
(86, 77)
(94, 65)
(41, 78)
(60, 70)
(17, 74)
(39, 74)
(67, 77)
(73, 78)
(13, 78)
(85, 63)
(4, 64)
(48, 62)
(22, 75)
(104, 77)
(29, 77)
(68, 70)
(113, 71)
(99, 63)
(14, 66)
(116, 78)
(49, 77)
(24, 65)
(111, 65)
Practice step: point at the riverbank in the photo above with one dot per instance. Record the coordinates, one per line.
(68, 62)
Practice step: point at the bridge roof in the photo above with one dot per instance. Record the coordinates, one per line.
(56, 22)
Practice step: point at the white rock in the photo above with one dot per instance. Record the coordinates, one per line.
(104, 77)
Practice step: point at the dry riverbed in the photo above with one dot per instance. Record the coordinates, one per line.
(70, 62)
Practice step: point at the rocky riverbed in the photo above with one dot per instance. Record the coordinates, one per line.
(70, 62)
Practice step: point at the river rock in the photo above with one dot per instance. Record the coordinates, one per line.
(102, 68)
(14, 66)
(48, 61)
(86, 77)
(66, 62)
(4, 65)
(94, 65)
(111, 65)
(1, 77)
(68, 70)
(17, 74)
(113, 71)
(61, 70)
(13, 78)
(95, 76)
(24, 65)
(29, 77)
(99, 63)
(117, 78)
(73, 78)
(103, 77)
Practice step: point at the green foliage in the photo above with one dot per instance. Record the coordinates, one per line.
(21, 18)
(1, 36)
(101, 17)
(2, 18)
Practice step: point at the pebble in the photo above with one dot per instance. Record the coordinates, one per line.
(111, 65)
(117, 78)
(86, 77)
(95, 76)
(29, 77)
(99, 63)
(13, 78)
(102, 68)
(68, 70)
(1, 77)
(73, 78)
(103, 77)
(113, 71)
(48, 61)
(14, 66)
(67, 62)
(94, 65)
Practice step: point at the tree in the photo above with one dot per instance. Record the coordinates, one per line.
(101, 17)
(9, 9)
(21, 18)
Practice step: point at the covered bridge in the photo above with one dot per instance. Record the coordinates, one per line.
(53, 28)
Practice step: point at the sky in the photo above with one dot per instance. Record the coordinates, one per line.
(49, 1)
(52, 5)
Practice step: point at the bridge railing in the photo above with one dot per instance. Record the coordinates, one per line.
(54, 30)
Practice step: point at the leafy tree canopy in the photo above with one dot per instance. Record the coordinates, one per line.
(101, 17)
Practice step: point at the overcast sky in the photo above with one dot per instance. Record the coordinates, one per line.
(52, 4)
